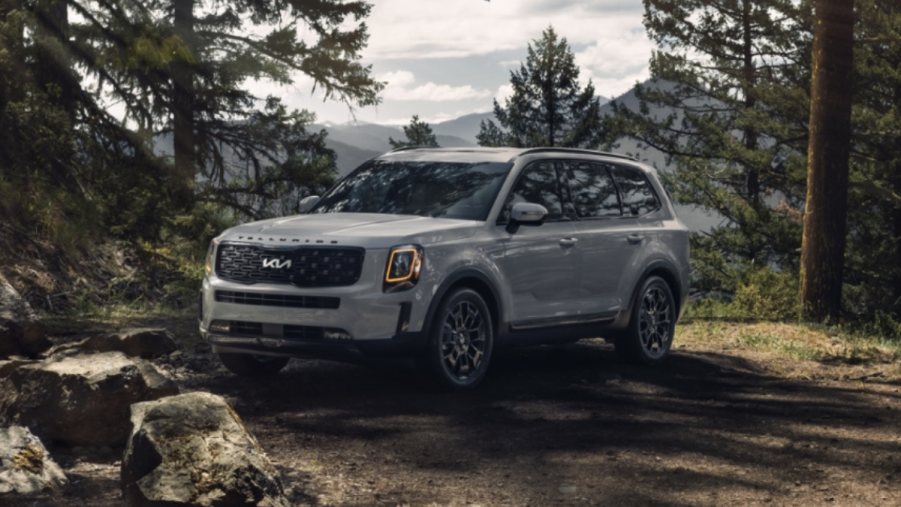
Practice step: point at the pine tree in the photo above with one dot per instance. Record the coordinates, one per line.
(419, 133)
(872, 274)
(180, 68)
(823, 250)
(548, 107)
(731, 76)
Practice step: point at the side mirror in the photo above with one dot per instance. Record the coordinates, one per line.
(526, 213)
(307, 203)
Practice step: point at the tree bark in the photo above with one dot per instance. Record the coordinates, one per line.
(185, 145)
(823, 244)
(54, 64)
(13, 45)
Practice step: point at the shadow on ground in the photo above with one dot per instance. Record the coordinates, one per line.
(573, 425)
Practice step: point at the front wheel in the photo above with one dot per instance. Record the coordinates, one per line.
(651, 326)
(250, 365)
(461, 341)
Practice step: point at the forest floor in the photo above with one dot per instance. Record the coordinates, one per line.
(740, 414)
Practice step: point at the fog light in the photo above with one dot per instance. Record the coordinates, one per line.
(334, 334)
(220, 326)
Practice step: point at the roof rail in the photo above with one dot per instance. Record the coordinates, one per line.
(404, 148)
(579, 150)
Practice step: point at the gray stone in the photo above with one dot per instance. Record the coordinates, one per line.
(193, 449)
(6, 367)
(21, 332)
(81, 400)
(25, 465)
(144, 343)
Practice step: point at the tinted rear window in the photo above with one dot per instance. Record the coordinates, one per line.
(592, 189)
(637, 195)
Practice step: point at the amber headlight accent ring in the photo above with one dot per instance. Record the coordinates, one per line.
(403, 268)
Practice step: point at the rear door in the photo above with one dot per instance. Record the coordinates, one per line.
(540, 262)
(609, 232)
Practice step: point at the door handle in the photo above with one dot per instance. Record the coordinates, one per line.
(635, 239)
(568, 242)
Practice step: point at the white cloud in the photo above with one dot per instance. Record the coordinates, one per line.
(503, 93)
(459, 28)
(400, 87)
(614, 64)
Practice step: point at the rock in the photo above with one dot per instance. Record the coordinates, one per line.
(21, 332)
(193, 449)
(25, 465)
(144, 343)
(81, 400)
(6, 367)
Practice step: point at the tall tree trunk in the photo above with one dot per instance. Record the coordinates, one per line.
(13, 46)
(54, 64)
(183, 108)
(823, 244)
(751, 136)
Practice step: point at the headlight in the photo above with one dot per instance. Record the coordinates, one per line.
(404, 264)
(208, 266)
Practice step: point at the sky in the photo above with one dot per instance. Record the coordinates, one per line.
(444, 59)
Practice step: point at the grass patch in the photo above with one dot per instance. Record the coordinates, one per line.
(795, 341)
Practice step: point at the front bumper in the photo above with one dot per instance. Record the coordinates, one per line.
(366, 320)
(402, 345)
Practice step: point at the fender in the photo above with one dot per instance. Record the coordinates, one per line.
(623, 320)
(450, 281)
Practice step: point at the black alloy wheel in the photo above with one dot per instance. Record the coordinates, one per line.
(651, 326)
(461, 341)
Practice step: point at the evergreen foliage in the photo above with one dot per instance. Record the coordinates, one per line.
(419, 133)
(731, 74)
(64, 155)
(738, 135)
(873, 253)
(548, 107)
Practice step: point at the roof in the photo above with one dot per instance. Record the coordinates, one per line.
(415, 153)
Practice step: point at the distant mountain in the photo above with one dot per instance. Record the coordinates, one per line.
(468, 126)
(354, 143)
(464, 127)
(349, 157)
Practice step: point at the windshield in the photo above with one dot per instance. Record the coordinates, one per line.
(464, 191)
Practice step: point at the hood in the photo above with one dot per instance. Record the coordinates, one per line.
(367, 230)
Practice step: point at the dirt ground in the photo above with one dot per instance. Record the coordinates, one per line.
(564, 425)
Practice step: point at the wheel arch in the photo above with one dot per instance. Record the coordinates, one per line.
(473, 279)
(665, 270)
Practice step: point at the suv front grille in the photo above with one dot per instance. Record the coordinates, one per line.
(301, 266)
(283, 301)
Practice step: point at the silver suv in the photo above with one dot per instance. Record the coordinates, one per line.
(445, 255)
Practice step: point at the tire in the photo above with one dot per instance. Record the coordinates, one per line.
(651, 326)
(460, 342)
(249, 365)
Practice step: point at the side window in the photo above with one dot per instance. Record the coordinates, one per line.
(537, 184)
(637, 195)
(593, 191)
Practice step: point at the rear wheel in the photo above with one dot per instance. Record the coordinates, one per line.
(250, 365)
(651, 326)
(461, 341)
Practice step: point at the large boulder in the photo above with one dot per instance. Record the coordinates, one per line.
(25, 465)
(21, 332)
(144, 343)
(194, 450)
(80, 400)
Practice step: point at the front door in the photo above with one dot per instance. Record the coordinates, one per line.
(540, 262)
